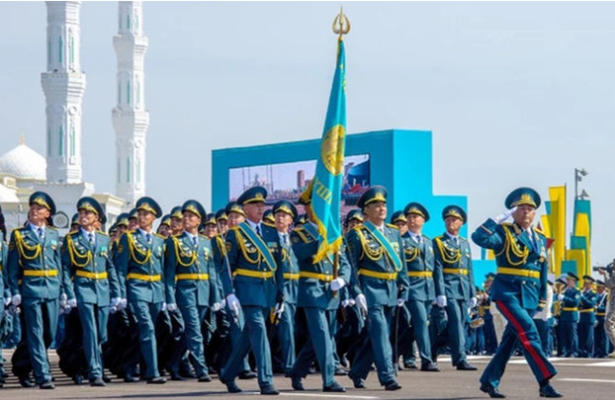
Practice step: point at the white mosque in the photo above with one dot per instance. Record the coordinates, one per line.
(59, 172)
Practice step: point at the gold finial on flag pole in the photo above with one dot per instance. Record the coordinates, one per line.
(341, 24)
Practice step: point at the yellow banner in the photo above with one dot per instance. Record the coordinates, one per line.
(557, 224)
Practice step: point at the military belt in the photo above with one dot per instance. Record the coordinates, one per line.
(143, 277)
(420, 274)
(253, 274)
(389, 276)
(288, 275)
(195, 277)
(570, 309)
(455, 271)
(44, 272)
(526, 273)
(586, 310)
(314, 275)
(487, 307)
(600, 314)
(91, 275)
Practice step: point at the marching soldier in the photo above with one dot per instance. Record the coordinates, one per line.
(609, 319)
(35, 260)
(190, 278)
(86, 259)
(569, 316)
(140, 263)
(376, 253)
(425, 280)
(316, 294)
(491, 339)
(587, 317)
(452, 256)
(601, 349)
(285, 213)
(519, 288)
(254, 261)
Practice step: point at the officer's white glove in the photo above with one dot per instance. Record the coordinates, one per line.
(72, 303)
(279, 309)
(63, 300)
(216, 307)
(16, 300)
(441, 301)
(560, 297)
(122, 304)
(115, 301)
(112, 309)
(164, 306)
(473, 302)
(505, 215)
(348, 303)
(361, 302)
(400, 302)
(172, 307)
(337, 284)
(233, 303)
(7, 301)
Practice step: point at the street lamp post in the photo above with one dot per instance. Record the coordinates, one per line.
(578, 177)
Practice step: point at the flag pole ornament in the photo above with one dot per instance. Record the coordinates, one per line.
(326, 187)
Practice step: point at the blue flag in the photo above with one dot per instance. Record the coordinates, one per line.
(327, 182)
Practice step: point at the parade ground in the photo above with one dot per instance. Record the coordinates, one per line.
(577, 379)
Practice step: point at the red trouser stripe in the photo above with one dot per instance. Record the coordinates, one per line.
(523, 338)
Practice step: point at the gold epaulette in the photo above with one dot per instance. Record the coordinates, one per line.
(392, 226)
(269, 224)
(101, 232)
(301, 234)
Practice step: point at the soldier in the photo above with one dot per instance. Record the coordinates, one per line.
(254, 259)
(587, 317)
(74, 223)
(425, 280)
(491, 340)
(210, 226)
(400, 221)
(569, 316)
(285, 213)
(269, 219)
(376, 253)
(316, 295)
(519, 288)
(140, 263)
(600, 339)
(452, 256)
(221, 221)
(609, 319)
(164, 229)
(176, 220)
(133, 223)
(541, 319)
(34, 259)
(190, 278)
(353, 218)
(86, 259)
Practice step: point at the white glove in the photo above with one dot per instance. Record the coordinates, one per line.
(112, 309)
(279, 309)
(348, 302)
(400, 302)
(233, 303)
(63, 300)
(473, 302)
(172, 307)
(7, 301)
(16, 300)
(122, 304)
(361, 302)
(72, 303)
(216, 306)
(505, 215)
(115, 301)
(164, 306)
(337, 284)
(441, 301)
(560, 297)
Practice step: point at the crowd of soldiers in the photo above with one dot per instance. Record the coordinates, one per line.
(247, 292)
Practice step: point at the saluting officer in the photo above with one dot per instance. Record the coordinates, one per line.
(569, 316)
(425, 280)
(587, 317)
(376, 253)
(454, 259)
(316, 294)
(190, 278)
(253, 254)
(140, 262)
(519, 288)
(35, 260)
(86, 259)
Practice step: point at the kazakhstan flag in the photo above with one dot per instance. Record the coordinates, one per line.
(327, 182)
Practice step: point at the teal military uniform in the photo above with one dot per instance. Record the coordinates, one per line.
(140, 263)
(519, 289)
(87, 261)
(453, 258)
(320, 304)
(600, 339)
(190, 282)
(35, 260)
(425, 283)
(376, 254)
(587, 320)
(569, 319)
(254, 260)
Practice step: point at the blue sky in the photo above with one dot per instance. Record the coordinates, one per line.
(516, 94)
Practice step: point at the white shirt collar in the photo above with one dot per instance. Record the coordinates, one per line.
(191, 236)
(36, 228)
(144, 233)
(455, 238)
(415, 236)
(253, 225)
(86, 233)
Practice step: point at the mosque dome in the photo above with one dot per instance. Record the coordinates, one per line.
(24, 163)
